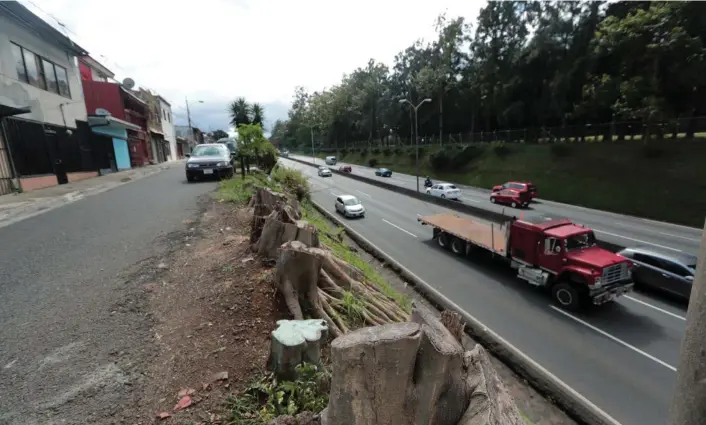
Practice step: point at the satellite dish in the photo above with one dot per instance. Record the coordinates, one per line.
(128, 83)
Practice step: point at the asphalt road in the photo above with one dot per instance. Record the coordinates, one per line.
(615, 228)
(620, 356)
(74, 329)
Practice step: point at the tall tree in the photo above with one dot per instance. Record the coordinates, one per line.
(240, 112)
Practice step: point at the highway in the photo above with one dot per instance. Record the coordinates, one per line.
(615, 228)
(620, 356)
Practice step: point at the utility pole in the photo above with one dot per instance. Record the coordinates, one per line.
(689, 398)
(313, 157)
(188, 118)
(416, 133)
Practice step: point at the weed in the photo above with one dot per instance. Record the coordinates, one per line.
(239, 189)
(292, 181)
(561, 150)
(387, 151)
(373, 162)
(267, 398)
(500, 149)
(375, 151)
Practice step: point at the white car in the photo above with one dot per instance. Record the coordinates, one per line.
(325, 172)
(349, 206)
(445, 190)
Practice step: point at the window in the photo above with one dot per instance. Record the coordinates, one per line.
(646, 259)
(19, 63)
(39, 72)
(675, 268)
(50, 76)
(169, 116)
(164, 114)
(63, 80)
(551, 246)
(33, 76)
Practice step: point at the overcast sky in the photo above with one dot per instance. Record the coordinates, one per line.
(216, 50)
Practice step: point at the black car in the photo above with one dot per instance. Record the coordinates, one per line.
(209, 161)
(669, 272)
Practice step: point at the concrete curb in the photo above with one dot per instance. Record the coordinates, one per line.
(576, 405)
(452, 205)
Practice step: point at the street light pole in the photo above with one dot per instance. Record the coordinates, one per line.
(188, 116)
(416, 133)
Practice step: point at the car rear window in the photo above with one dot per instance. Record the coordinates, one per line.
(451, 186)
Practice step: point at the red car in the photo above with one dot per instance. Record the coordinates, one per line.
(512, 197)
(345, 168)
(530, 188)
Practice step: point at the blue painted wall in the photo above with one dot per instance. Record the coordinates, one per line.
(122, 155)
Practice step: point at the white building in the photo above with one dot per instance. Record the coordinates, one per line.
(168, 127)
(38, 68)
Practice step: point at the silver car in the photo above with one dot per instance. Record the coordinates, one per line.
(670, 272)
(325, 172)
(349, 206)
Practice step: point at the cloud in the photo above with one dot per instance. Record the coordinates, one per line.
(217, 50)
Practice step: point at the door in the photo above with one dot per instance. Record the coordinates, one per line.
(551, 254)
(676, 278)
(435, 190)
(647, 271)
(339, 205)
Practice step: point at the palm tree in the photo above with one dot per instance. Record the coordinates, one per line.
(239, 111)
(258, 114)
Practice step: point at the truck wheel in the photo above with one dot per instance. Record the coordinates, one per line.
(514, 205)
(458, 246)
(567, 296)
(443, 240)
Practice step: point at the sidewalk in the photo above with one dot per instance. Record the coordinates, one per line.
(16, 207)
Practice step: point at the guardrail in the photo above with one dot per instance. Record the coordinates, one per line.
(453, 205)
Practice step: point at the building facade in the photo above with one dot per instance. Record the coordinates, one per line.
(42, 111)
(168, 128)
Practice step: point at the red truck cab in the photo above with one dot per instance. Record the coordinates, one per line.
(564, 257)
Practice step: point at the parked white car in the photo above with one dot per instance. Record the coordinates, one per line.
(324, 172)
(445, 190)
(349, 206)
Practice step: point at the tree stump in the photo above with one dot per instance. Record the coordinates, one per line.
(414, 373)
(295, 342)
(373, 376)
(297, 278)
(264, 202)
(491, 403)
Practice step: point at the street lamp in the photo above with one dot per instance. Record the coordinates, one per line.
(416, 132)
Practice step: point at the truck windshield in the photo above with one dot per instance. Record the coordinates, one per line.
(582, 241)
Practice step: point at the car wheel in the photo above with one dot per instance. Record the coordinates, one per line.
(492, 200)
(443, 196)
(189, 178)
(443, 240)
(458, 246)
(514, 205)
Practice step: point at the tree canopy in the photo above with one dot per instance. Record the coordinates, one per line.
(523, 64)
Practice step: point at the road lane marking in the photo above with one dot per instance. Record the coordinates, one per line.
(331, 192)
(677, 236)
(615, 339)
(360, 191)
(661, 310)
(399, 228)
(470, 199)
(637, 240)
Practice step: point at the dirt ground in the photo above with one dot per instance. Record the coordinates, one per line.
(213, 305)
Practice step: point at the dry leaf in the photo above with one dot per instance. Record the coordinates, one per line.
(183, 403)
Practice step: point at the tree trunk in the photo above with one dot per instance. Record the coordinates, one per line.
(441, 116)
(689, 399)
(295, 342)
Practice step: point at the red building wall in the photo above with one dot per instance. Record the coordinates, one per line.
(103, 95)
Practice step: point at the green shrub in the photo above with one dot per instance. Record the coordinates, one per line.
(500, 148)
(560, 150)
(373, 162)
(292, 181)
(387, 151)
(343, 152)
(466, 155)
(441, 161)
(398, 150)
(375, 151)
(363, 152)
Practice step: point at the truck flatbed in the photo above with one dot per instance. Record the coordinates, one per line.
(485, 235)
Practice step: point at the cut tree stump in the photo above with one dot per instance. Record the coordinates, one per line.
(491, 402)
(414, 373)
(264, 202)
(373, 374)
(297, 277)
(295, 342)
